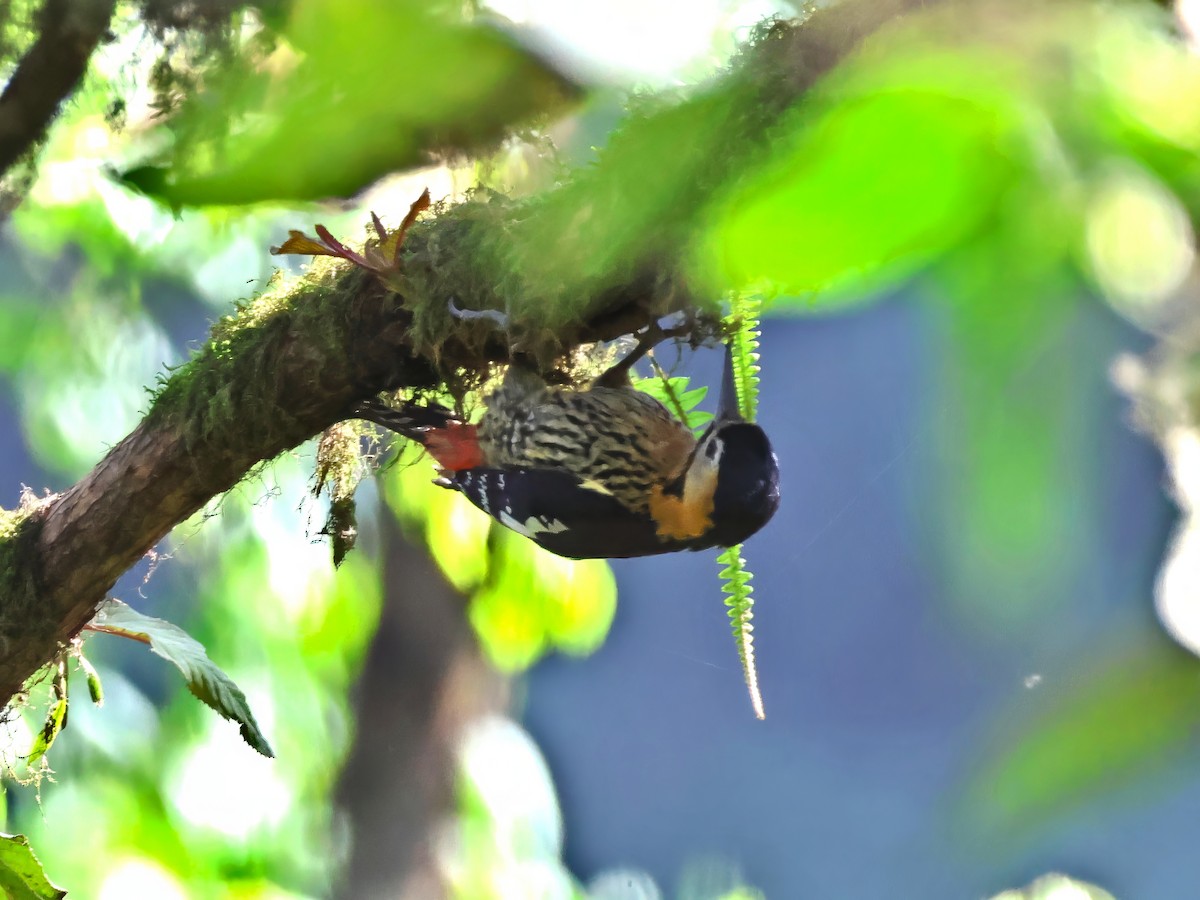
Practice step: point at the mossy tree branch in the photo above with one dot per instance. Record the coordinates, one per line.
(293, 362)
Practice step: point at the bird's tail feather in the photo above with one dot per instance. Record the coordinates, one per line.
(411, 420)
(452, 442)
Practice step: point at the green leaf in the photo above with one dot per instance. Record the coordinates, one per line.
(535, 602)
(737, 586)
(1135, 712)
(891, 164)
(525, 601)
(21, 875)
(172, 643)
(1016, 410)
(376, 86)
(673, 393)
(19, 321)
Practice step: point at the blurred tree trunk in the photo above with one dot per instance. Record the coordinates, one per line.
(423, 683)
(68, 32)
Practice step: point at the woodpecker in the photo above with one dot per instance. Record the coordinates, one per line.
(602, 472)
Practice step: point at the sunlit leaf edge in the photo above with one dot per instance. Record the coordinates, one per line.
(207, 682)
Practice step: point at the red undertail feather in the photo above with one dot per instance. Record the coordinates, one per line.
(455, 446)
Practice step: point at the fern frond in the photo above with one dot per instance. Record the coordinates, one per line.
(673, 392)
(736, 578)
(744, 314)
(743, 341)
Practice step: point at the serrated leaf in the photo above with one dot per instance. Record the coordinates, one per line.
(743, 345)
(741, 612)
(204, 679)
(744, 314)
(21, 875)
(673, 393)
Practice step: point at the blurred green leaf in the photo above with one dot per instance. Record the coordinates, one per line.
(21, 875)
(360, 89)
(713, 877)
(579, 597)
(946, 158)
(1015, 409)
(631, 214)
(1130, 716)
(1056, 887)
(508, 831)
(892, 170)
(535, 601)
(19, 318)
(916, 145)
(455, 531)
(457, 535)
(525, 601)
(207, 682)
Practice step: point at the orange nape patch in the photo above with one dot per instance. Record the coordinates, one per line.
(455, 446)
(689, 516)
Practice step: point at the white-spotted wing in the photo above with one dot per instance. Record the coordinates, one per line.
(563, 514)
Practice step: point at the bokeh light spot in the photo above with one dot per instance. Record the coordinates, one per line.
(134, 878)
(1138, 239)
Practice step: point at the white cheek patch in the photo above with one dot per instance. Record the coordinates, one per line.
(532, 526)
(715, 459)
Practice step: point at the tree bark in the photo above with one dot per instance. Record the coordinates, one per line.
(68, 32)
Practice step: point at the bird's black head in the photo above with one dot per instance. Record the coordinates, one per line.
(732, 473)
(747, 488)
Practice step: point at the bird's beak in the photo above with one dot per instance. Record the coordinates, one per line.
(727, 406)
